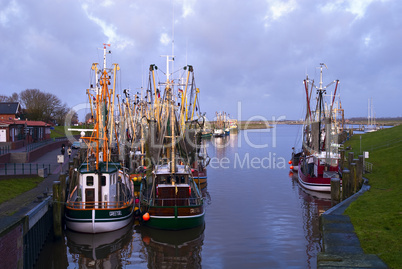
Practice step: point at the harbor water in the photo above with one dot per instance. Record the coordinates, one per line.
(257, 216)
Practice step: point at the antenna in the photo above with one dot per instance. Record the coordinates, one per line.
(186, 49)
(172, 29)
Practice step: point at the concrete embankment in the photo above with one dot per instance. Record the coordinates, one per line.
(341, 246)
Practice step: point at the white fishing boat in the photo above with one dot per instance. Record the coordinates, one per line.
(101, 195)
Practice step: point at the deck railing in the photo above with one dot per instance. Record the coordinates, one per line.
(99, 204)
(177, 201)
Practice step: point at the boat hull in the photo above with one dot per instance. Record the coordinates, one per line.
(98, 220)
(200, 177)
(315, 184)
(175, 217)
(320, 180)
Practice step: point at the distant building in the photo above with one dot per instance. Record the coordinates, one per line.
(10, 110)
(17, 133)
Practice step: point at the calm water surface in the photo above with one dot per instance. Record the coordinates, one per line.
(257, 216)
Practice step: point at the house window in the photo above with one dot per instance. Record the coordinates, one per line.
(103, 180)
(90, 181)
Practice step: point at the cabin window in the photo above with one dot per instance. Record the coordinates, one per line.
(103, 180)
(90, 180)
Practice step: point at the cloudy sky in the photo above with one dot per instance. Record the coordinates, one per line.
(249, 57)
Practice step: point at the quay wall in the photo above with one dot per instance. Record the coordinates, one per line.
(22, 237)
(5, 158)
(12, 247)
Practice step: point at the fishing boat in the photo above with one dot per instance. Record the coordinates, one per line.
(233, 126)
(200, 175)
(101, 193)
(172, 199)
(206, 131)
(169, 196)
(319, 159)
(199, 167)
(294, 161)
(220, 129)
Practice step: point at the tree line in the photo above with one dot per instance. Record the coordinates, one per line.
(41, 106)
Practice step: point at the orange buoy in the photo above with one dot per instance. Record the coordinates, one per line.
(291, 167)
(290, 162)
(145, 217)
(146, 239)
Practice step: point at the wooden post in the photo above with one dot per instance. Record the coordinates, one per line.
(350, 158)
(342, 159)
(62, 179)
(345, 184)
(63, 187)
(335, 191)
(57, 205)
(353, 186)
(76, 161)
(360, 171)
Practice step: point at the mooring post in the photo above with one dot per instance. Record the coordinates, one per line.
(345, 184)
(350, 158)
(353, 186)
(360, 171)
(76, 161)
(342, 159)
(63, 187)
(335, 191)
(356, 179)
(57, 205)
(62, 179)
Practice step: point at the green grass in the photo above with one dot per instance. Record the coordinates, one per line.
(57, 132)
(12, 187)
(377, 214)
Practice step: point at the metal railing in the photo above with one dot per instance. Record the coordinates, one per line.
(99, 205)
(4, 150)
(24, 168)
(178, 201)
(368, 167)
(36, 145)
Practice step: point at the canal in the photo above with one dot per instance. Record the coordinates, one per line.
(257, 216)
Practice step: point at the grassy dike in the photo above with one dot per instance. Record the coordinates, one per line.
(13, 186)
(377, 214)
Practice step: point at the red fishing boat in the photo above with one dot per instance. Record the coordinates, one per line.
(319, 159)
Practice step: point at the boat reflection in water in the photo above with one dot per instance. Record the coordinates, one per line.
(313, 204)
(103, 250)
(173, 249)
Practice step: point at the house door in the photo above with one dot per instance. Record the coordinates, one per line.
(3, 135)
(90, 198)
